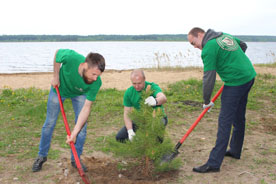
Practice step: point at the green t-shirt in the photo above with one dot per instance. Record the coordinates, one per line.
(224, 55)
(132, 97)
(71, 83)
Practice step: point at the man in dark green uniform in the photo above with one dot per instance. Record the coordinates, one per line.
(132, 98)
(78, 78)
(225, 55)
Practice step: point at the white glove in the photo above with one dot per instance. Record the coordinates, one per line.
(151, 101)
(131, 134)
(211, 104)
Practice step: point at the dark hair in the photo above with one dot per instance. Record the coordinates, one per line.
(95, 60)
(194, 32)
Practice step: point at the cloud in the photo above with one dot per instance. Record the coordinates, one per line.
(89, 17)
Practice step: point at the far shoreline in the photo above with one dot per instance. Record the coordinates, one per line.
(171, 69)
(117, 79)
(114, 70)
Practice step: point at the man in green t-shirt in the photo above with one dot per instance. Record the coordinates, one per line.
(132, 98)
(78, 78)
(225, 55)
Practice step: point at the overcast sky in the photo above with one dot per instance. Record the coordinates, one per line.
(127, 17)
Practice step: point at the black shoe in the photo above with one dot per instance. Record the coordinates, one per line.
(73, 163)
(229, 154)
(205, 169)
(37, 166)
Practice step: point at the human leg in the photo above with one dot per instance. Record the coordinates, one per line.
(225, 121)
(229, 104)
(237, 138)
(47, 130)
(53, 110)
(122, 135)
(164, 121)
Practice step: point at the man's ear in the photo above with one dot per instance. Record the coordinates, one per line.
(85, 65)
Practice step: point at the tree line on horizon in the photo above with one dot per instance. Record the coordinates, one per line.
(152, 37)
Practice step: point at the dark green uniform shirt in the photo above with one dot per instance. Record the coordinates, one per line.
(224, 55)
(71, 83)
(132, 97)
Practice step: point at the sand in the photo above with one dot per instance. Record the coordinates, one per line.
(112, 78)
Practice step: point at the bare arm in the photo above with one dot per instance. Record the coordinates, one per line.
(128, 122)
(55, 80)
(83, 116)
(161, 98)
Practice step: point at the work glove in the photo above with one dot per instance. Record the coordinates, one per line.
(211, 104)
(131, 134)
(151, 101)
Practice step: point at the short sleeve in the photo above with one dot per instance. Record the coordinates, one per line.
(127, 101)
(156, 89)
(62, 54)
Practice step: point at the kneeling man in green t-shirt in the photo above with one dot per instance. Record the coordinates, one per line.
(132, 99)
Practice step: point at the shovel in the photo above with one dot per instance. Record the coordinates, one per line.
(169, 157)
(84, 178)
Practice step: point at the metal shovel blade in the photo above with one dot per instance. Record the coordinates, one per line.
(170, 156)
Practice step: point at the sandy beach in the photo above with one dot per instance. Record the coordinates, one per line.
(113, 78)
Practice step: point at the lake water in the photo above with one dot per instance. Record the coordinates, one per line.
(24, 57)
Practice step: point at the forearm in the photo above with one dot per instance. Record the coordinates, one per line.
(82, 119)
(127, 120)
(161, 98)
(56, 69)
(209, 79)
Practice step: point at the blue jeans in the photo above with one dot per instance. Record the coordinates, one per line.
(53, 109)
(232, 113)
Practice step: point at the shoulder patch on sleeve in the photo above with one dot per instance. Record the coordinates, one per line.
(227, 42)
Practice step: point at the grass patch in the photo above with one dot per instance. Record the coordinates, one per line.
(23, 112)
(270, 65)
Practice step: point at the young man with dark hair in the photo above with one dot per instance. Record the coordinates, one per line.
(78, 79)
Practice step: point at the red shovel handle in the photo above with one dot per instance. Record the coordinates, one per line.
(200, 116)
(77, 160)
(63, 113)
